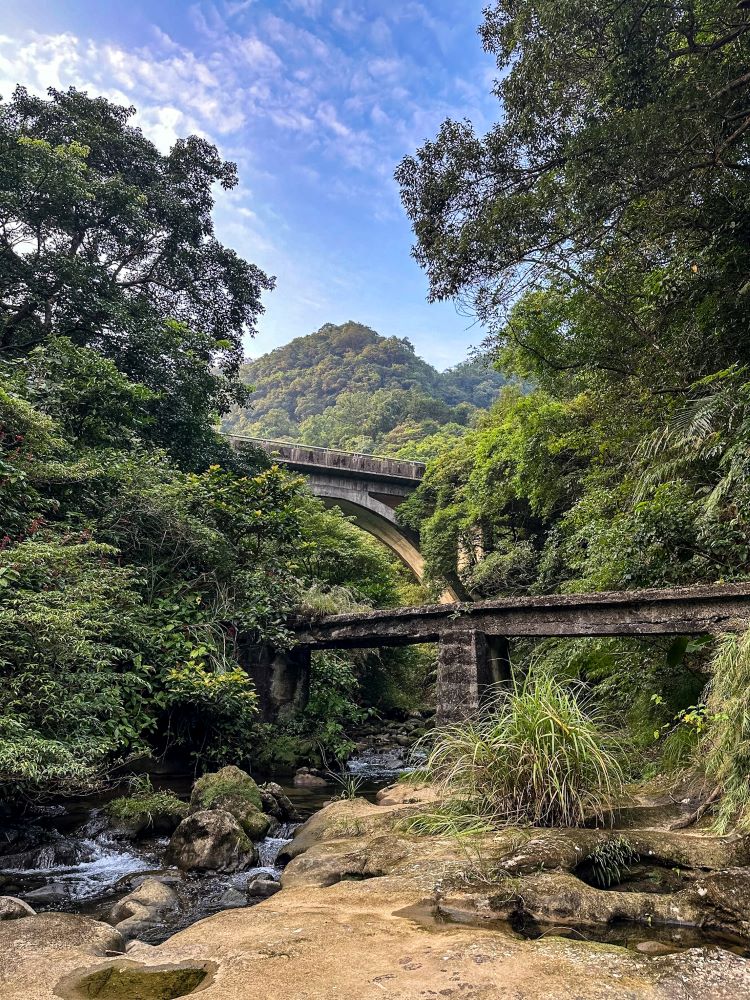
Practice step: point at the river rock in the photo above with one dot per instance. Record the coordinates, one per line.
(211, 840)
(141, 909)
(47, 895)
(655, 948)
(277, 804)
(232, 898)
(13, 909)
(234, 791)
(303, 779)
(262, 886)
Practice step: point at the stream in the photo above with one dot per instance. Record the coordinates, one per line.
(64, 857)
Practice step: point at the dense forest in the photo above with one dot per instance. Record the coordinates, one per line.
(347, 387)
(135, 546)
(601, 230)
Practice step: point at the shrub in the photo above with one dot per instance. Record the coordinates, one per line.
(539, 755)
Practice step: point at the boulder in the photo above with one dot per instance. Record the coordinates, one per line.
(146, 815)
(211, 840)
(277, 804)
(262, 886)
(59, 932)
(141, 909)
(234, 791)
(13, 909)
(48, 895)
(303, 779)
(232, 899)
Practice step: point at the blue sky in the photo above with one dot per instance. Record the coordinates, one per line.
(317, 101)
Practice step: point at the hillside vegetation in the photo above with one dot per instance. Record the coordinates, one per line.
(347, 387)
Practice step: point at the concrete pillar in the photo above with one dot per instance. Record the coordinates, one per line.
(469, 662)
(281, 679)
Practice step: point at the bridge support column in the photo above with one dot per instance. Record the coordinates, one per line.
(469, 663)
(282, 679)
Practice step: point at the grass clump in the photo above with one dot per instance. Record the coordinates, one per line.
(611, 861)
(724, 744)
(539, 755)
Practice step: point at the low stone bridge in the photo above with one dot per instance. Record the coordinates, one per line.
(473, 638)
(366, 487)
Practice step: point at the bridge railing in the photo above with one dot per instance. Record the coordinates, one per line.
(266, 444)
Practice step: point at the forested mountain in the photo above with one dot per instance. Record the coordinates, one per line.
(347, 387)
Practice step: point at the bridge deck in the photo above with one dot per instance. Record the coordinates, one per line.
(313, 459)
(679, 611)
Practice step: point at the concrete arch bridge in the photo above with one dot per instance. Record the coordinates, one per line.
(366, 487)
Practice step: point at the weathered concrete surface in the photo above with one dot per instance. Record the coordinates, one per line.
(677, 611)
(353, 922)
(281, 678)
(311, 459)
(367, 488)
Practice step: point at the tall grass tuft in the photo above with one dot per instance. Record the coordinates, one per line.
(725, 744)
(540, 754)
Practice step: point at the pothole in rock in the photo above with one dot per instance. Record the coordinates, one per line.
(130, 981)
(636, 877)
(647, 939)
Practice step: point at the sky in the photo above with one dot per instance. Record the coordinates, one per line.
(317, 101)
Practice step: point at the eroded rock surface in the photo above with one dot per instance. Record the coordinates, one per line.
(355, 919)
(145, 906)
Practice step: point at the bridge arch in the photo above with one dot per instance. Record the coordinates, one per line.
(365, 487)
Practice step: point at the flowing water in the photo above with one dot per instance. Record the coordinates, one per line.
(65, 857)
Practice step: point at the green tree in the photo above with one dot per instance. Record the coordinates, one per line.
(110, 244)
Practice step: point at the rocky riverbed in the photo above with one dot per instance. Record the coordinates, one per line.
(368, 909)
(72, 857)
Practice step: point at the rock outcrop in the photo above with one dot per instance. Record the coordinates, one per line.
(13, 909)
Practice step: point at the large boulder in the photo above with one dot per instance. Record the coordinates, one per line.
(234, 791)
(211, 840)
(13, 909)
(144, 907)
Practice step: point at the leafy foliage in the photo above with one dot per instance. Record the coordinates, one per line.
(135, 547)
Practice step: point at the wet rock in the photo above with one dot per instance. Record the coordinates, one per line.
(232, 898)
(262, 886)
(234, 791)
(147, 905)
(277, 804)
(13, 909)
(47, 895)
(655, 948)
(303, 779)
(211, 840)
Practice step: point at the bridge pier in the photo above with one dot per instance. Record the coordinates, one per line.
(470, 663)
(281, 679)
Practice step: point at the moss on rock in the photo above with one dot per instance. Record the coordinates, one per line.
(234, 791)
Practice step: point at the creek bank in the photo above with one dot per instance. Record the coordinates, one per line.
(357, 918)
(87, 858)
